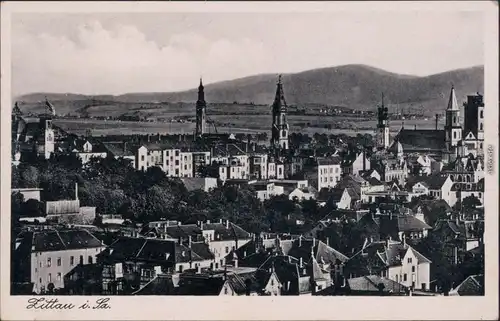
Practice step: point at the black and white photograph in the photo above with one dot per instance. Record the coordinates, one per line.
(248, 153)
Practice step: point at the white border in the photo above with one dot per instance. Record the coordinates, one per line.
(266, 308)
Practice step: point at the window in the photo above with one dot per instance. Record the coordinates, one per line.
(227, 249)
(454, 134)
(142, 157)
(180, 268)
(405, 277)
(413, 269)
(40, 280)
(49, 262)
(413, 284)
(90, 259)
(36, 270)
(397, 278)
(177, 162)
(481, 114)
(71, 260)
(81, 259)
(481, 126)
(59, 277)
(336, 170)
(177, 153)
(58, 261)
(225, 290)
(40, 264)
(49, 278)
(409, 260)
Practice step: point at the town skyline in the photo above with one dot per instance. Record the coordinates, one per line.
(165, 52)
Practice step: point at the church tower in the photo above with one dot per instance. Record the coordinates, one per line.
(452, 128)
(382, 126)
(279, 130)
(48, 130)
(201, 107)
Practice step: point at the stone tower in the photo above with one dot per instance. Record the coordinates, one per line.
(382, 126)
(279, 130)
(48, 130)
(453, 128)
(201, 106)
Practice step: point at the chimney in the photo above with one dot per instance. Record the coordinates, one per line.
(178, 223)
(149, 138)
(190, 241)
(314, 242)
(328, 241)
(300, 241)
(198, 269)
(236, 261)
(165, 228)
(437, 119)
(301, 263)
(76, 191)
(201, 225)
(244, 253)
(404, 239)
(227, 224)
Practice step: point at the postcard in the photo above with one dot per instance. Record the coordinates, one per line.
(249, 160)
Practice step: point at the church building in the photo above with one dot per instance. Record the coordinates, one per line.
(455, 140)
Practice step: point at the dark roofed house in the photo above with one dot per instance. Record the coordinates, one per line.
(130, 263)
(392, 260)
(45, 257)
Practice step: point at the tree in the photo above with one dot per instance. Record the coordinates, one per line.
(30, 176)
(470, 203)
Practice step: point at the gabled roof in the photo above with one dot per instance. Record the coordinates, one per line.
(57, 240)
(162, 284)
(422, 139)
(142, 249)
(473, 285)
(332, 160)
(370, 283)
(435, 181)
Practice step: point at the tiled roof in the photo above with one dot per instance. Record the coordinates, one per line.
(200, 285)
(371, 283)
(422, 139)
(408, 223)
(333, 160)
(52, 240)
(162, 284)
(202, 250)
(194, 183)
(224, 233)
(184, 254)
(241, 282)
(144, 249)
(435, 181)
(473, 285)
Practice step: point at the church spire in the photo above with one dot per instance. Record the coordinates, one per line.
(201, 106)
(452, 102)
(201, 91)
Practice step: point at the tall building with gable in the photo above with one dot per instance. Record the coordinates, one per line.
(280, 129)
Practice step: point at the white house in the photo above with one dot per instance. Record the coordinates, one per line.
(329, 171)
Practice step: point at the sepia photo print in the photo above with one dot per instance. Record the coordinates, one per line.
(248, 153)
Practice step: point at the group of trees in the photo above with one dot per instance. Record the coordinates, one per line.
(114, 187)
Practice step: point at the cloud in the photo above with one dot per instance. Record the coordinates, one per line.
(121, 59)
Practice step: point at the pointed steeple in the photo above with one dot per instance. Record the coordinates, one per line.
(279, 99)
(452, 102)
(16, 111)
(201, 91)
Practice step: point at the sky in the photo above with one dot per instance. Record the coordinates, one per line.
(163, 52)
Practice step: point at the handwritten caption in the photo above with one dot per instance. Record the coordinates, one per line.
(56, 304)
